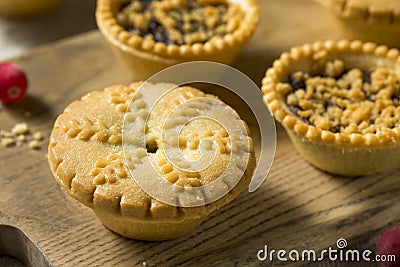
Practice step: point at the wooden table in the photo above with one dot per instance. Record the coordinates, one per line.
(17, 36)
(298, 207)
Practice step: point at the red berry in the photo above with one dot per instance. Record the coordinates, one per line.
(13, 83)
(389, 244)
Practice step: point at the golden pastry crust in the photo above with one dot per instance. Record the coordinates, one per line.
(367, 20)
(180, 21)
(384, 11)
(347, 152)
(87, 160)
(367, 56)
(144, 57)
(106, 17)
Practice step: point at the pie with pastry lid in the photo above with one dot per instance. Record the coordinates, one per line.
(88, 160)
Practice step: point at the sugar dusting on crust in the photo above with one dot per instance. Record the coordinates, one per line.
(88, 125)
(109, 169)
(85, 129)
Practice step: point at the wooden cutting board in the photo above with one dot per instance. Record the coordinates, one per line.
(298, 207)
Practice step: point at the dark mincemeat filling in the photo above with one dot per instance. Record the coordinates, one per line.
(163, 33)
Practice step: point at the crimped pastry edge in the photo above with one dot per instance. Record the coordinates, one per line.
(304, 53)
(363, 12)
(84, 192)
(133, 43)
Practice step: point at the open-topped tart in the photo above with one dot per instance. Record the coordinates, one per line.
(369, 20)
(340, 104)
(150, 35)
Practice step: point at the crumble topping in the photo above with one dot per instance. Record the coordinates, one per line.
(344, 100)
(180, 21)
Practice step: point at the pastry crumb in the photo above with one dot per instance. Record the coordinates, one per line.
(20, 128)
(34, 144)
(7, 142)
(20, 135)
(4, 133)
(38, 136)
(20, 138)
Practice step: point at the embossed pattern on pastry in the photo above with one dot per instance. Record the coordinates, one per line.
(87, 160)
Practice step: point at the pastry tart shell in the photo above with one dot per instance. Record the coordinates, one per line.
(338, 153)
(145, 57)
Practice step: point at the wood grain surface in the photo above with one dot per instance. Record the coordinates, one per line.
(298, 207)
